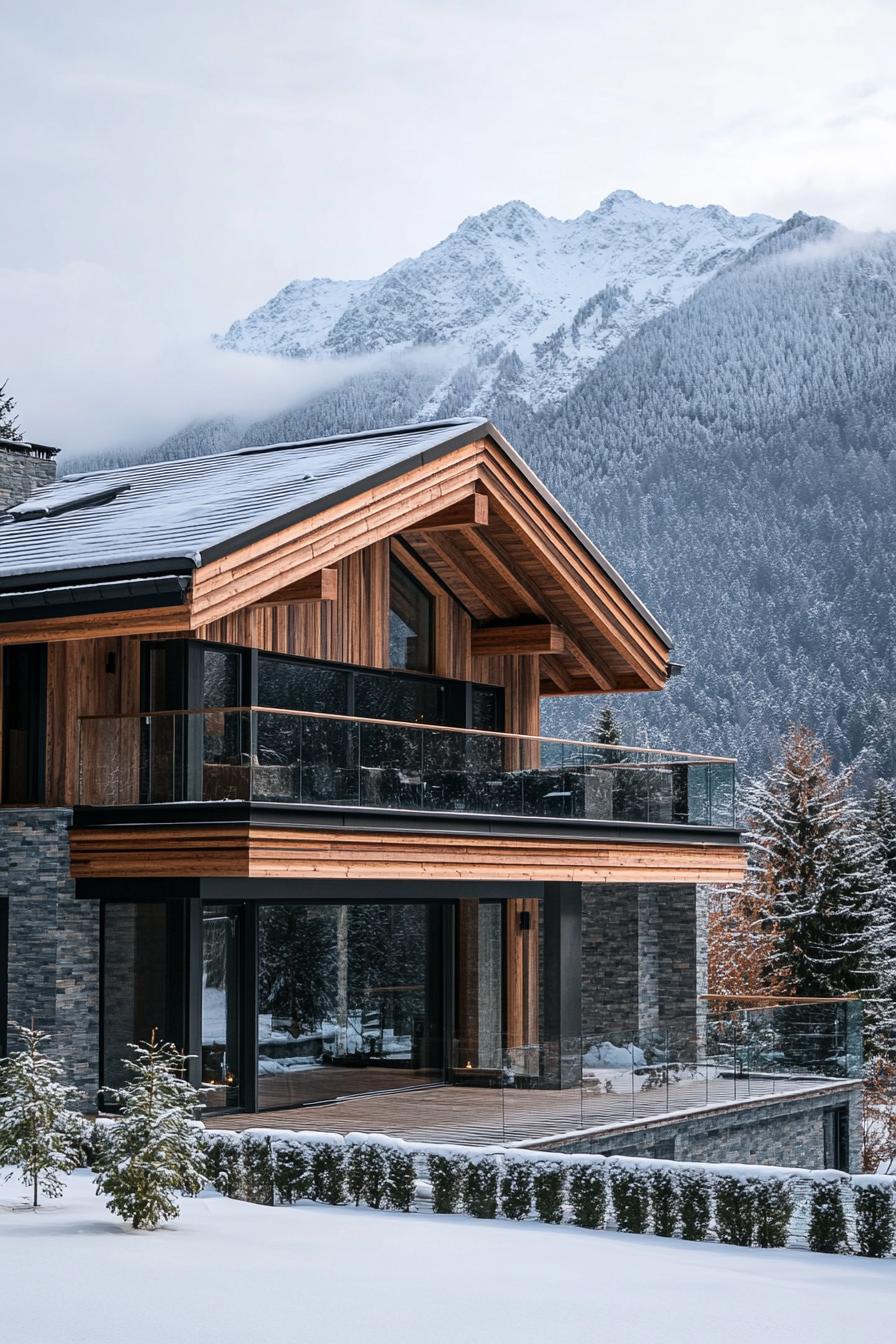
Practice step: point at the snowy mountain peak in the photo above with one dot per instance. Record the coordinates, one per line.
(516, 300)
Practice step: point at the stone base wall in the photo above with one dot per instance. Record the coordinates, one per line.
(643, 959)
(779, 1132)
(53, 941)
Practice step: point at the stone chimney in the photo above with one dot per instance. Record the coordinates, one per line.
(24, 467)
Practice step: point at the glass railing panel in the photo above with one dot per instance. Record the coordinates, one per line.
(721, 793)
(284, 756)
(329, 762)
(698, 809)
(225, 740)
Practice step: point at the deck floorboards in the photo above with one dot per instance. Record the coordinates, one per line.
(480, 1116)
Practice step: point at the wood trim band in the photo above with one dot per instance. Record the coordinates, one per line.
(244, 851)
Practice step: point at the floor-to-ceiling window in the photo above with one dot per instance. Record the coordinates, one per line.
(143, 980)
(350, 999)
(221, 945)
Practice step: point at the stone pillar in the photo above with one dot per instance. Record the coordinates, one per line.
(609, 960)
(53, 942)
(642, 952)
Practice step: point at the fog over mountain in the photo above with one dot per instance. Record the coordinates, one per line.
(712, 397)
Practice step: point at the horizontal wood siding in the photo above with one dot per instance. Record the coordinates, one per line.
(241, 851)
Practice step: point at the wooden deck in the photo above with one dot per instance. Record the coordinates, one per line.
(479, 1116)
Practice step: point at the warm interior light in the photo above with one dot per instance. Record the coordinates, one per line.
(468, 1064)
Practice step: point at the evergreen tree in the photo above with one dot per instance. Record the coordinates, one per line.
(881, 822)
(606, 728)
(814, 862)
(9, 423)
(39, 1134)
(155, 1150)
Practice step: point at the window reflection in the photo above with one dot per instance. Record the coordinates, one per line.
(349, 999)
(410, 621)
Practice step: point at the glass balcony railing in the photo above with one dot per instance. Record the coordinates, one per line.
(290, 756)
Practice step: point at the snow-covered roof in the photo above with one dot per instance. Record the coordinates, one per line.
(179, 514)
(168, 518)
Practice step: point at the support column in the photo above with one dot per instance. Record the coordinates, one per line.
(562, 983)
(53, 943)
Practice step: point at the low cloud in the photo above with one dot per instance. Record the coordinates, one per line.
(95, 365)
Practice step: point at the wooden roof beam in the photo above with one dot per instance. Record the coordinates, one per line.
(490, 641)
(598, 674)
(494, 554)
(320, 587)
(469, 512)
(473, 578)
(558, 675)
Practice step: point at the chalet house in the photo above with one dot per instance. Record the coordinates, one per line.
(272, 782)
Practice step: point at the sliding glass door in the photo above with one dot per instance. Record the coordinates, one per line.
(350, 999)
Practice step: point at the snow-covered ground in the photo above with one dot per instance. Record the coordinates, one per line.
(228, 1271)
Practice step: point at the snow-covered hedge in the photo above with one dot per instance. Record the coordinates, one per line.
(740, 1205)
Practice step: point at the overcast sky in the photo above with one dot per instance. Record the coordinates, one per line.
(168, 166)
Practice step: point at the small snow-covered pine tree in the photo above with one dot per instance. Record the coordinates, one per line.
(39, 1134)
(812, 855)
(155, 1149)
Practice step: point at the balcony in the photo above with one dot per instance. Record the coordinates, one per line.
(292, 757)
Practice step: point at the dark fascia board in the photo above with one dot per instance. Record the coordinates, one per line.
(323, 889)
(100, 574)
(89, 598)
(298, 816)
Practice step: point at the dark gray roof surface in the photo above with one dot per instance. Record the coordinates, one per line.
(168, 517)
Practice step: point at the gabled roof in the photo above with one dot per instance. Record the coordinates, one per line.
(176, 545)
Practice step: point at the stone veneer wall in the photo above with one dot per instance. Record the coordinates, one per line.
(53, 953)
(787, 1131)
(20, 474)
(643, 959)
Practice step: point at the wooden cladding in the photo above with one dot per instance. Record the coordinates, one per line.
(350, 627)
(244, 851)
(252, 572)
(98, 625)
(88, 676)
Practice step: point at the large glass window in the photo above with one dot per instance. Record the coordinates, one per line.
(410, 621)
(141, 982)
(225, 744)
(24, 703)
(220, 1004)
(479, 985)
(285, 683)
(349, 999)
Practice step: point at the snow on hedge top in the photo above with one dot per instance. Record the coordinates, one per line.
(183, 512)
